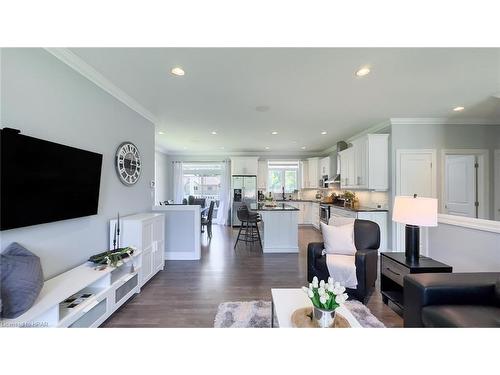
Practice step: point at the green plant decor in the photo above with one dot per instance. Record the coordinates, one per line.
(326, 296)
(112, 257)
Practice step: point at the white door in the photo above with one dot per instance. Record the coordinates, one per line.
(496, 186)
(460, 185)
(415, 174)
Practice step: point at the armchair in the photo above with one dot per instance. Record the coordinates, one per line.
(367, 241)
(452, 300)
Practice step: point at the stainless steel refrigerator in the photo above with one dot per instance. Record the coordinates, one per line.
(243, 191)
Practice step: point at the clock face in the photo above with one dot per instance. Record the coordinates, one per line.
(128, 163)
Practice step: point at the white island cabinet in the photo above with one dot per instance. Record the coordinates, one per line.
(280, 228)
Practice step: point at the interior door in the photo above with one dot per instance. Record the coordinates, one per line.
(415, 174)
(460, 185)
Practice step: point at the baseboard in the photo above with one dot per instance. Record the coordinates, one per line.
(181, 255)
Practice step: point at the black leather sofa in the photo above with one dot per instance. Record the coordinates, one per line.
(452, 300)
(367, 241)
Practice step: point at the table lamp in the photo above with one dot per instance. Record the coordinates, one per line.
(414, 212)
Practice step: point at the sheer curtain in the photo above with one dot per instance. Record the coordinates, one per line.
(224, 194)
(178, 182)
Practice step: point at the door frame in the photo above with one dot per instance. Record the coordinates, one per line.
(483, 190)
(397, 241)
(496, 176)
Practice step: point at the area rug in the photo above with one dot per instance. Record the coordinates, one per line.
(257, 314)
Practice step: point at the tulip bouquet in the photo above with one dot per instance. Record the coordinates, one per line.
(326, 296)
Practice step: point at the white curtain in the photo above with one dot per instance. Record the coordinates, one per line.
(224, 194)
(178, 182)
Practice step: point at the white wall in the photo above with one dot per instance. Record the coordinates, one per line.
(161, 177)
(45, 98)
(466, 249)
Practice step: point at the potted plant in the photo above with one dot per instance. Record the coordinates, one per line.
(326, 298)
(350, 199)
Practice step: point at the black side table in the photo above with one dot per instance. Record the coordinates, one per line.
(394, 267)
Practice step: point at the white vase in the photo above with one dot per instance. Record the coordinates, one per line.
(324, 318)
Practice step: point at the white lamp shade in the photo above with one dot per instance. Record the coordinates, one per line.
(415, 211)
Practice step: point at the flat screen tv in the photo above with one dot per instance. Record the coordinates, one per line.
(42, 181)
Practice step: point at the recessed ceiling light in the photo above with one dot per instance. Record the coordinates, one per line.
(222, 148)
(184, 148)
(303, 147)
(324, 133)
(214, 132)
(267, 147)
(177, 71)
(458, 109)
(274, 132)
(161, 133)
(363, 71)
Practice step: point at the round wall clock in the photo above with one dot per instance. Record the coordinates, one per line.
(128, 163)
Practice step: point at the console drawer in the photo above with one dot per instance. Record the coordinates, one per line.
(393, 270)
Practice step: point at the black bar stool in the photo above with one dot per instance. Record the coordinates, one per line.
(249, 229)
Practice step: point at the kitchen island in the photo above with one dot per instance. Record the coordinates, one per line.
(280, 227)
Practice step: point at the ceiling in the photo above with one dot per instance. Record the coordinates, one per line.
(244, 94)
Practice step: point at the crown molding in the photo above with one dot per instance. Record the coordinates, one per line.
(89, 72)
(263, 154)
(442, 121)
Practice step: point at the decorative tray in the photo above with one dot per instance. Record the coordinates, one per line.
(303, 318)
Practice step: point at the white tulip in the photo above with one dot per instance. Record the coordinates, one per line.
(311, 286)
(321, 291)
(330, 281)
(340, 299)
(338, 289)
(305, 289)
(315, 282)
(310, 293)
(330, 287)
(322, 299)
(322, 284)
(327, 296)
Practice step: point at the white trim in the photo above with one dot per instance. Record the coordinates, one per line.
(262, 154)
(484, 175)
(89, 72)
(181, 255)
(496, 176)
(442, 121)
(372, 129)
(471, 223)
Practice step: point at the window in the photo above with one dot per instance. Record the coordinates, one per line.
(202, 180)
(283, 174)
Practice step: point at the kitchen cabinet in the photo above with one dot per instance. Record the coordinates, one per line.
(347, 169)
(262, 175)
(315, 215)
(313, 173)
(379, 217)
(324, 167)
(244, 166)
(365, 165)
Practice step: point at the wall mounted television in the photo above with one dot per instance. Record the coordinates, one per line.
(42, 181)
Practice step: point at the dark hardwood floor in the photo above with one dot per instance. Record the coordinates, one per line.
(187, 293)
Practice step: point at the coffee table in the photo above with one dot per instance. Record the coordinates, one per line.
(285, 301)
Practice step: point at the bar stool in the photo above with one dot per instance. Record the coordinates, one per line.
(249, 229)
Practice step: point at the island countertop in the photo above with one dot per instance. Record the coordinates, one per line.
(279, 207)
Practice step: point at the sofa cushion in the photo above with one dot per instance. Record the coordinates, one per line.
(462, 316)
(21, 280)
(339, 239)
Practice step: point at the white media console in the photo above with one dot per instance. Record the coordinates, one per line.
(108, 288)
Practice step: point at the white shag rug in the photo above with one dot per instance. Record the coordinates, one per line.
(257, 314)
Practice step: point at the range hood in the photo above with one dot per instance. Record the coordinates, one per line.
(336, 180)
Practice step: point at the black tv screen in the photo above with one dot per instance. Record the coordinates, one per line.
(42, 181)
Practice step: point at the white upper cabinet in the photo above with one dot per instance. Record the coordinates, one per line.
(244, 166)
(262, 175)
(313, 173)
(324, 167)
(365, 165)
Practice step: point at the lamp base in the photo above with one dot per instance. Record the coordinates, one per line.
(412, 242)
